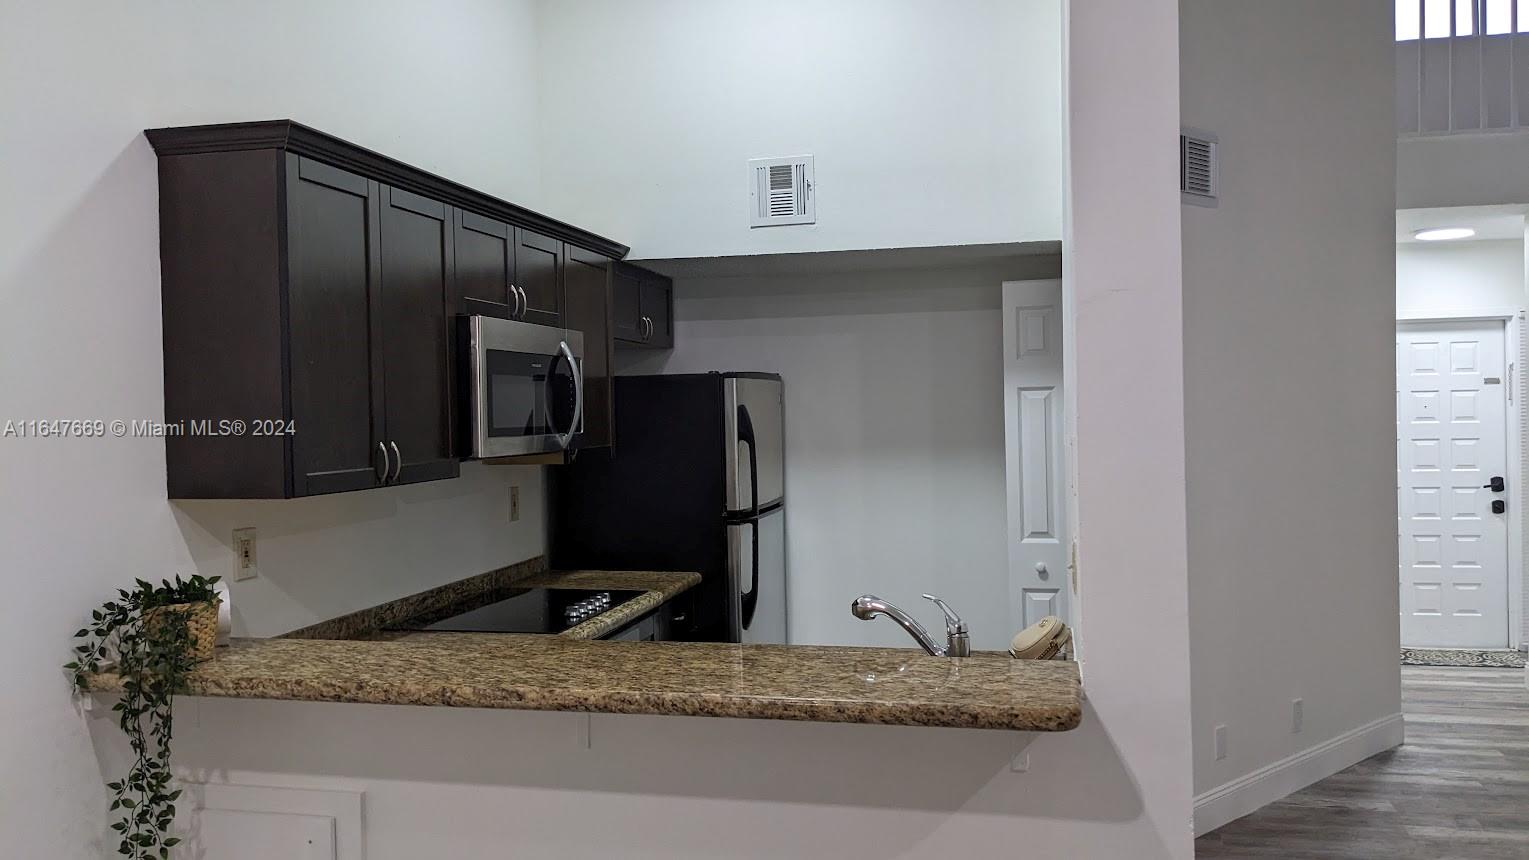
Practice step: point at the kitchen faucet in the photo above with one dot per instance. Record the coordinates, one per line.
(957, 643)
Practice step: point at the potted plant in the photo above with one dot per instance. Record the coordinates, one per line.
(151, 637)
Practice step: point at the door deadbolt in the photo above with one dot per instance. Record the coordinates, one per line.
(1499, 506)
(1496, 486)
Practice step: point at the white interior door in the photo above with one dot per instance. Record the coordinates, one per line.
(1451, 441)
(1032, 399)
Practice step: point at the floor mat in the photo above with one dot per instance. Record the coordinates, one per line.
(1502, 659)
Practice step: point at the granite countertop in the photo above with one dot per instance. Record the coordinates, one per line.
(405, 616)
(372, 656)
(556, 673)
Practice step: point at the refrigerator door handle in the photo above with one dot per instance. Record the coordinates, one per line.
(750, 599)
(746, 436)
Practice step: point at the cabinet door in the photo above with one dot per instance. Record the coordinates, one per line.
(587, 309)
(626, 301)
(485, 265)
(333, 328)
(658, 308)
(416, 336)
(539, 274)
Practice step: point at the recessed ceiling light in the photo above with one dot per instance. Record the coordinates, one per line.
(1443, 234)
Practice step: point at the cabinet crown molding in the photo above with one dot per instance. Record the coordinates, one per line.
(290, 136)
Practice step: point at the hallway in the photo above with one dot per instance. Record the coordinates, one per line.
(1458, 788)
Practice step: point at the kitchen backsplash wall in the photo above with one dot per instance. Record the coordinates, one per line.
(894, 433)
(328, 555)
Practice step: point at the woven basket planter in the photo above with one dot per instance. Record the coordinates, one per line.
(201, 624)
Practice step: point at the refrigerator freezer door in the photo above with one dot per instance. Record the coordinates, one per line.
(756, 455)
(757, 576)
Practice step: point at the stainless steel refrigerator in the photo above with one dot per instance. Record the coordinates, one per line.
(694, 482)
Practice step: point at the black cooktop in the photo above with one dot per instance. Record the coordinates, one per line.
(534, 610)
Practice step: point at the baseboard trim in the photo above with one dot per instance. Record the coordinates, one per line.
(1229, 802)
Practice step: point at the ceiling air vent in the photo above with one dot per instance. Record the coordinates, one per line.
(1198, 167)
(780, 191)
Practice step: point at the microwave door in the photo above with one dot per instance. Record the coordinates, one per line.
(527, 397)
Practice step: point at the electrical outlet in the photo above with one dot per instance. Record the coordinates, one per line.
(1297, 716)
(1220, 742)
(1020, 763)
(514, 504)
(245, 563)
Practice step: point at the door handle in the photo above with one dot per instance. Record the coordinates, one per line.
(397, 461)
(577, 372)
(520, 302)
(385, 465)
(1496, 486)
(749, 600)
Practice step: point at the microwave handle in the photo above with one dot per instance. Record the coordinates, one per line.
(577, 371)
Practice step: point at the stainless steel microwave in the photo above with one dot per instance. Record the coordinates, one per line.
(526, 387)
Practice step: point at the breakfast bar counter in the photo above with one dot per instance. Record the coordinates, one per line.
(386, 655)
(892, 686)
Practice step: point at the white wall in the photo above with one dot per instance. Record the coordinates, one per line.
(894, 434)
(1288, 345)
(931, 123)
(1450, 277)
(320, 558)
(1124, 382)
(1461, 170)
(79, 281)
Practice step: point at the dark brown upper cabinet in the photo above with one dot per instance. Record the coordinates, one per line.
(355, 311)
(587, 309)
(507, 271)
(485, 271)
(333, 337)
(643, 304)
(416, 337)
(309, 295)
(539, 277)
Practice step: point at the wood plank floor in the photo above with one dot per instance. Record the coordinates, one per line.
(1457, 790)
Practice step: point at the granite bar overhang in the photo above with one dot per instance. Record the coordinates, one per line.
(365, 657)
(888, 686)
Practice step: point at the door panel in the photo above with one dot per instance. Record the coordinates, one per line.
(485, 263)
(416, 276)
(1451, 441)
(587, 310)
(1037, 531)
(762, 400)
(759, 603)
(626, 304)
(539, 274)
(332, 294)
(658, 308)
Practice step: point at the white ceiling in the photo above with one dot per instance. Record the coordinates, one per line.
(1489, 222)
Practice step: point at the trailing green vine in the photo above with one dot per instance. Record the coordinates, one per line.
(152, 652)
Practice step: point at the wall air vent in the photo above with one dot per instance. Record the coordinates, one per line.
(1199, 165)
(781, 191)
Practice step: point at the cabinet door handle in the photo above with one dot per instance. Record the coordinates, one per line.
(647, 329)
(384, 476)
(397, 460)
(519, 307)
